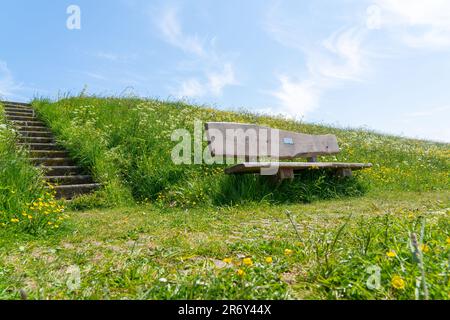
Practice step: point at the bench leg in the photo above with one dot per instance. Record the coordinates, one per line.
(283, 174)
(344, 173)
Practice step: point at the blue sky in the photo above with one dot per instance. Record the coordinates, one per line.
(381, 64)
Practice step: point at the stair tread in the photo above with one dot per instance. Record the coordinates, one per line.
(76, 186)
(78, 176)
(39, 144)
(50, 152)
(29, 131)
(53, 159)
(63, 167)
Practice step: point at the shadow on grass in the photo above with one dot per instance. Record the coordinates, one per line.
(307, 187)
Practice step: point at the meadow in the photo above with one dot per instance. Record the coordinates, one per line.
(162, 231)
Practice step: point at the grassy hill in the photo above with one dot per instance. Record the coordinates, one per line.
(159, 230)
(127, 143)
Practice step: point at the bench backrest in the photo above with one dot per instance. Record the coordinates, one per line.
(229, 139)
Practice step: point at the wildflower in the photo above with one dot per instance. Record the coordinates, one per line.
(269, 260)
(30, 217)
(391, 254)
(448, 240)
(398, 283)
(288, 252)
(228, 260)
(424, 248)
(248, 262)
(240, 272)
(15, 220)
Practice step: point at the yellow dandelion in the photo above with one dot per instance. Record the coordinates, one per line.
(30, 217)
(391, 254)
(424, 248)
(248, 262)
(15, 220)
(288, 252)
(228, 260)
(240, 272)
(398, 283)
(448, 240)
(269, 260)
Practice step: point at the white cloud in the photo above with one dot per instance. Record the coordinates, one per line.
(214, 84)
(217, 81)
(170, 27)
(215, 71)
(419, 24)
(114, 57)
(297, 97)
(428, 112)
(343, 57)
(338, 58)
(8, 87)
(191, 88)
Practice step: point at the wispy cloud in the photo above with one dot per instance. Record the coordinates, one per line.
(170, 27)
(428, 112)
(297, 97)
(114, 57)
(339, 57)
(216, 72)
(191, 88)
(418, 23)
(8, 86)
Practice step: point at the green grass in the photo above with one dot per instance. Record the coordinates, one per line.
(146, 252)
(161, 231)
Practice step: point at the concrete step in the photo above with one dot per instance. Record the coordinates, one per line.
(40, 146)
(36, 140)
(36, 134)
(31, 128)
(15, 104)
(35, 123)
(71, 191)
(21, 118)
(48, 154)
(69, 180)
(56, 162)
(19, 112)
(52, 171)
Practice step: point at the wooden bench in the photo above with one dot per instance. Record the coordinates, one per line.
(253, 144)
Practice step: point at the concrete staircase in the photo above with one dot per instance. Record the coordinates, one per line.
(68, 179)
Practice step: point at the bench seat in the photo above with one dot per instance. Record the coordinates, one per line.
(255, 167)
(253, 143)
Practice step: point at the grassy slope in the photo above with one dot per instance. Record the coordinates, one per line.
(154, 251)
(127, 143)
